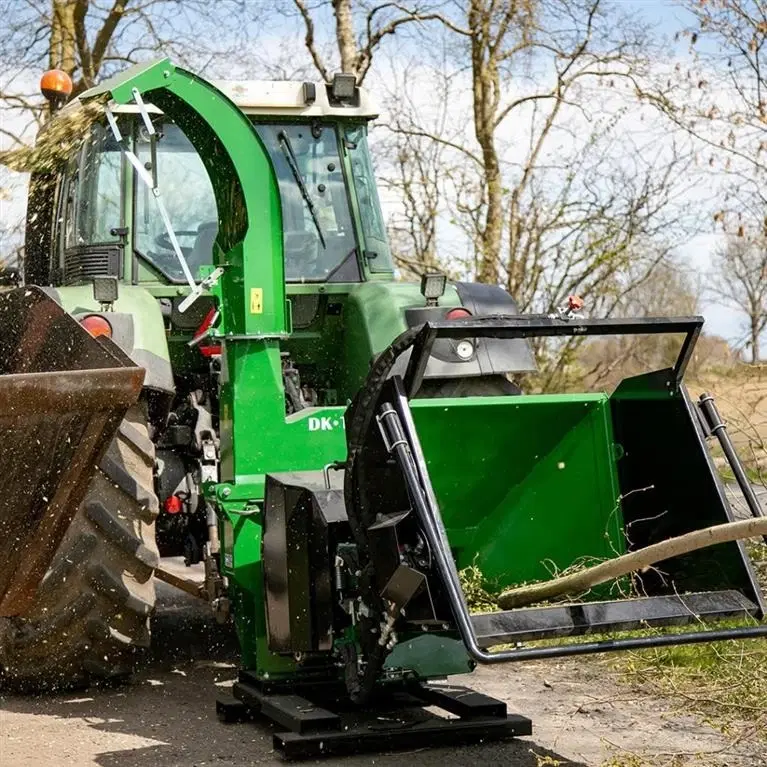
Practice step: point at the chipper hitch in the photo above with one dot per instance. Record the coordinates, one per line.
(62, 396)
(518, 487)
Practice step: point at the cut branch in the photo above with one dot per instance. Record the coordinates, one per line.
(576, 583)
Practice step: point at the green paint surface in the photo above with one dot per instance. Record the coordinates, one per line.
(526, 485)
(148, 327)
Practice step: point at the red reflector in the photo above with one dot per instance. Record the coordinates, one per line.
(96, 325)
(457, 313)
(208, 350)
(173, 504)
(206, 323)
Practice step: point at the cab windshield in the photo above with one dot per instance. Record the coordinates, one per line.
(318, 235)
(319, 239)
(188, 196)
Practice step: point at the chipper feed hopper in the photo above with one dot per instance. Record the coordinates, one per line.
(334, 445)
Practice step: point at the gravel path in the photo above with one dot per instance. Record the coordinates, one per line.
(166, 718)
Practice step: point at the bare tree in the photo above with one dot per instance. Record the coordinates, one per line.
(416, 169)
(89, 39)
(669, 290)
(555, 182)
(358, 30)
(719, 93)
(545, 55)
(740, 281)
(415, 177)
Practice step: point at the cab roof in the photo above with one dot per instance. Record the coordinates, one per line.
(291, 97)
(278, 98)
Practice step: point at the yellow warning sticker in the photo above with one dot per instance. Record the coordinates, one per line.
(256, 300)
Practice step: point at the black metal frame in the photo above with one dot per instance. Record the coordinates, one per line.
(540, 326)
(318, 720)
(715, 426)
(393, 413)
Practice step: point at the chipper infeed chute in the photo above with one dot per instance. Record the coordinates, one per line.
(62, 396)
(528, 486)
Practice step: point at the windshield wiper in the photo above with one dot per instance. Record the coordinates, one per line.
(290, 156)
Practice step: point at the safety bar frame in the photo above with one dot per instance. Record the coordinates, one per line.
(540, 326)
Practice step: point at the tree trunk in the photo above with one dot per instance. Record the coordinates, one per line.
(347, 45)
(485, 90)
(61, 52)
(755, 351)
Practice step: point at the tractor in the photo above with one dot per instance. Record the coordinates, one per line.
(212, 358)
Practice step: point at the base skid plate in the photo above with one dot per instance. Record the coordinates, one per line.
(320, 722)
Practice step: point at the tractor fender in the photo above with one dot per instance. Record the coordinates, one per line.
(496, 355)
(490, 356)
(377, 312)
(137, 327)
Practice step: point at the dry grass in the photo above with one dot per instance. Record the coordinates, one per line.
(741, 396)
(723, 683)
(478, 593)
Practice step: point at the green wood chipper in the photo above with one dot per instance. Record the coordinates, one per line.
(212, 358)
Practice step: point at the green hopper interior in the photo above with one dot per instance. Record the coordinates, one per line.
(526, 485)
(531, 485)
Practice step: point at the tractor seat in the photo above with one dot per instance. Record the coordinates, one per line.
(202, 251)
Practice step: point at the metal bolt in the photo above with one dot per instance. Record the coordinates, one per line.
(226, 492)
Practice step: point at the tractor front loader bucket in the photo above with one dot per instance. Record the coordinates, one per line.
(62, 396)
(525, 487)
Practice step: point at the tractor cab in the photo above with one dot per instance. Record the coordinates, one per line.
(333, 226)
(336, 267)
(106, 221)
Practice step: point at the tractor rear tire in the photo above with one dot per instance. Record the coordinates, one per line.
(93, 606)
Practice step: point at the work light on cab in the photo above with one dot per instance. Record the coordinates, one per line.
(96, 325)
(433, 287)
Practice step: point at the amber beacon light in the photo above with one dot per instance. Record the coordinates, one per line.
(56, 86)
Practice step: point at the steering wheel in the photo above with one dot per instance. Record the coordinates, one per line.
(163, 241)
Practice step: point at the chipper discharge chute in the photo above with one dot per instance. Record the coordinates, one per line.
(62, 396)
